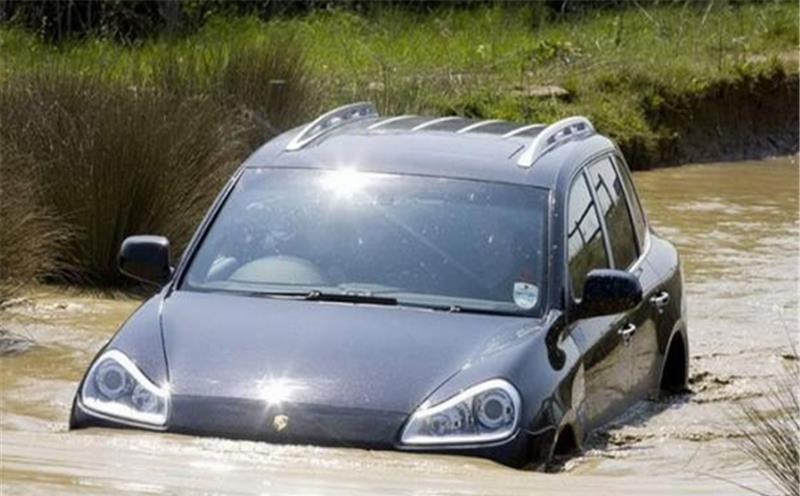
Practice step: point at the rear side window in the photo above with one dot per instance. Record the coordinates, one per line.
(610, 195)
(637, 212)
(585, 247)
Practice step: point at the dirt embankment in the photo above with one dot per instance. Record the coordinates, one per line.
(746, 118)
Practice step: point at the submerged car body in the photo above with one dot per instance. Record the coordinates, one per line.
(422, 284)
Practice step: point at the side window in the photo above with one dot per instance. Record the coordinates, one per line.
(639, 222)
(585, 247)
(611, 198)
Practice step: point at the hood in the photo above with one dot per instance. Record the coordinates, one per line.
(334, 354)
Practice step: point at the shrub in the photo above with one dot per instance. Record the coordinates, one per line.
(145, 150)
(771, 434)
(114, 161)
(31, 233)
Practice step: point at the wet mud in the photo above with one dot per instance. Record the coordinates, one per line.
(737, 228)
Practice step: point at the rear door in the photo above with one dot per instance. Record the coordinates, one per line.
(627, 243)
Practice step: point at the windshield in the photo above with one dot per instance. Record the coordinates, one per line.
(420, 241)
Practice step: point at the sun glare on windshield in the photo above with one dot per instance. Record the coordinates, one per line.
(344, 183)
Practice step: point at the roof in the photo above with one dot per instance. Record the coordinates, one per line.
(438, 146)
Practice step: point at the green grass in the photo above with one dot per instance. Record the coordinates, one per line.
(477, 61)
(116, 138)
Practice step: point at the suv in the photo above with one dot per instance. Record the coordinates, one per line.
(442, 284)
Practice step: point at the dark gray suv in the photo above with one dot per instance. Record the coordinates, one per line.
(413, 283)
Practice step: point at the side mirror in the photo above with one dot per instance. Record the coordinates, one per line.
(608, 291)
(145, 258)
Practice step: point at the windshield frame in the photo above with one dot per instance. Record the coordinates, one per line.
(198, 238)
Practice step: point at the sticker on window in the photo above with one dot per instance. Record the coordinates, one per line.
(526, 295)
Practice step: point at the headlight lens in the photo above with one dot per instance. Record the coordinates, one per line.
(117, 388)
(483, 413)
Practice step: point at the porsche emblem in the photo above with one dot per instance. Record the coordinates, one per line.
(280, 422)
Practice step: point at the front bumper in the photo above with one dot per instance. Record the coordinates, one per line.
(315, 425)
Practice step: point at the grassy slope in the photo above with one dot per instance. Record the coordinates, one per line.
(616, 65)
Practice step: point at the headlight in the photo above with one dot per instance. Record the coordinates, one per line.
(483, 413)
(115, 387)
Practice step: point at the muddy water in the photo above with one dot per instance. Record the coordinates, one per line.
(737, 228)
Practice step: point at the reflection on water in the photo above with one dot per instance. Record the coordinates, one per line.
(736, 226)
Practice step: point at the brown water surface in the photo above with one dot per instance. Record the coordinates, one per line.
(736, 226)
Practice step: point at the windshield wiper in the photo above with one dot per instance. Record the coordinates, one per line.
(357, 297)
(460, 309)
(316, 295)
(350, 297)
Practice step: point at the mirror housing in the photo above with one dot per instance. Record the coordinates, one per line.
(145, 258)
(608, 291)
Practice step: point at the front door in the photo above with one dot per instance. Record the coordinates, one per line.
(607, 359)
(627, 244)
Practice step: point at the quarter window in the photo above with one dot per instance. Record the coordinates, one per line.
(585, 247)
(639, 222)
(608, 189)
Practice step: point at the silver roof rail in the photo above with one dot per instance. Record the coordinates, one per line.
(552, 136)
(389, 120)
(522, 129)
(476, 125)
(330, 120)
(433, 122)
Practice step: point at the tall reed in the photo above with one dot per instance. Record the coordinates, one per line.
(771, 434)
(30, 232)
(113, 158)
(113, 161)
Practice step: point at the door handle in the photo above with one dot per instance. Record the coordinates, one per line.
(660, 301)
(627, 333)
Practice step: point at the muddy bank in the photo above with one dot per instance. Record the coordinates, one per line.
(750, 117)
